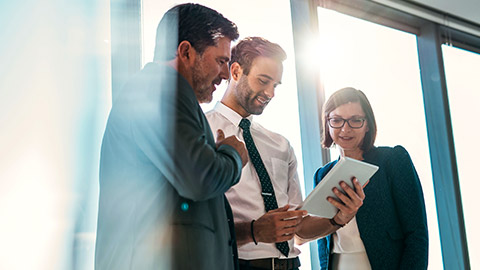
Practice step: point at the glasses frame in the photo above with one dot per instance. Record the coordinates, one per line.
(347, 121)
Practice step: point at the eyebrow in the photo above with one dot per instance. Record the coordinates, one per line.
(270, 78)
(353, 116)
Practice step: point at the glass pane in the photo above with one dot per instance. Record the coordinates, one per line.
(258, 21)
(461, 70)
(52, 118)
(383, 63)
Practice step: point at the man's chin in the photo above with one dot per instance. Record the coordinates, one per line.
(205, 99)
(256, 111)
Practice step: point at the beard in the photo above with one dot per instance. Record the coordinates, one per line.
(247, 97)
(201, 85)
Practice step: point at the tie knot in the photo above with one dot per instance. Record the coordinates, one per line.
(244, 124)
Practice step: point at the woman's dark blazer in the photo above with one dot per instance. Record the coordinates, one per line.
(392, 221)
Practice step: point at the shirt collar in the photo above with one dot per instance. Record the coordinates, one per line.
(230, 114)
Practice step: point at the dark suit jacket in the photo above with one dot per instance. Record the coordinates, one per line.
(162, 181)
(392, 221)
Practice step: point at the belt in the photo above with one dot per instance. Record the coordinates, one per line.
(272, 263)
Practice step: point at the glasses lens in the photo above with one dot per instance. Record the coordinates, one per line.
(336, 122)
(356, 122)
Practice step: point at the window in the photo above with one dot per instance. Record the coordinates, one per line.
(461, 70)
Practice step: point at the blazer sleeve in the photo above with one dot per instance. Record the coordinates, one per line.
(172, 132)
(408, 197)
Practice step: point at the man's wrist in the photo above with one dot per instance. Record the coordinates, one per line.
(251, 230)
(335, 224)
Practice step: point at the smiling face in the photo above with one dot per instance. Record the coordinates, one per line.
(210, 68)
(349, 140)
(254, 91)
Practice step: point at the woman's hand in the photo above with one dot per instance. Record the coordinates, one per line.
(349, 203)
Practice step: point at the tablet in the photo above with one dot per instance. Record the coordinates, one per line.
(316, 203)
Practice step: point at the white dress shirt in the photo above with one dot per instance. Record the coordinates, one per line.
(245, 197)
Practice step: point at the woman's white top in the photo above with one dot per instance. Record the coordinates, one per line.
(347, 239)
(348, 250)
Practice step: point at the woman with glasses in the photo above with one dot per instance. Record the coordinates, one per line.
(390, 230)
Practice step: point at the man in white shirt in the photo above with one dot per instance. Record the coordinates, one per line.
(265, 237)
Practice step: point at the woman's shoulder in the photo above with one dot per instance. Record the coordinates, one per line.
(383, 152)
(390, 158)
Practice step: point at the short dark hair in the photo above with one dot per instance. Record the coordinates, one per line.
(197, 24)
(344, 96)
(251, 47)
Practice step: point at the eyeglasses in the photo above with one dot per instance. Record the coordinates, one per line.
(338, 122)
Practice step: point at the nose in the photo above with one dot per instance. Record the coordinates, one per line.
(346, 127)
(224, 72)
(270, 91)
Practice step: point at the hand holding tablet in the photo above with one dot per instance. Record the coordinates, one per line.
(346, 168)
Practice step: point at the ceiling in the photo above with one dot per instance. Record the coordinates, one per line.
(465, 9)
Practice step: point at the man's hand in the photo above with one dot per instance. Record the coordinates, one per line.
(349, 203)
(277, 225)
(233, 142)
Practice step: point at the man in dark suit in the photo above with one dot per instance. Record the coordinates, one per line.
(162, 176)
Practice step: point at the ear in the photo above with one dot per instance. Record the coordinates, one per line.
(236, 71)
(186, 53)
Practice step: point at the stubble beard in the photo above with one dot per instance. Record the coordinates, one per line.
(246, 98)
(200, 85)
